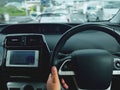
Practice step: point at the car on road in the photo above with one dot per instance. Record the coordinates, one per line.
(34, 15)
(4, 17)
(61, 10)
(94, 13)
(53, 18)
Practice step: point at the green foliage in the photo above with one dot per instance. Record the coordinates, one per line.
(32, 8)
(42, 8)
(12, 11)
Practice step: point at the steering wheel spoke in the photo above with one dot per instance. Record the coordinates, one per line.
(66, 69)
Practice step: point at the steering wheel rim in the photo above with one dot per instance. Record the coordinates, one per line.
(84, 27)
(81, 28)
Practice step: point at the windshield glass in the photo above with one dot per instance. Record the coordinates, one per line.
(57, 11)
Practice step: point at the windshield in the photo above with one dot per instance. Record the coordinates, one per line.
(57, 11)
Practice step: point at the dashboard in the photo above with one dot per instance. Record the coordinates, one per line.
(25, 51)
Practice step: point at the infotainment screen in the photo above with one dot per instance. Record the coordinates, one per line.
(22, 58)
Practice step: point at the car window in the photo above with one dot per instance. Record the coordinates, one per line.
(76, 11)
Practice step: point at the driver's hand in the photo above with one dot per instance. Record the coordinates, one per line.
(53, 82)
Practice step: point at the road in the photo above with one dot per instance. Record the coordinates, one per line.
(20, 19)
(75, 18)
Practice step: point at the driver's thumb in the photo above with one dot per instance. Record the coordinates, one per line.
(54, 74)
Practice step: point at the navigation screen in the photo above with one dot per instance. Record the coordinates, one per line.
(20, 58)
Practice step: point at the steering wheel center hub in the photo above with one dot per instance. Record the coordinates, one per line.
(89, 65)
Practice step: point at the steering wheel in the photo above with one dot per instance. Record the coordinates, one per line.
(91, 68)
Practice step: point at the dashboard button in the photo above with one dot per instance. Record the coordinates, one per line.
(117, 64)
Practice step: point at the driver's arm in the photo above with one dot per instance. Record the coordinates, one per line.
(53, 82)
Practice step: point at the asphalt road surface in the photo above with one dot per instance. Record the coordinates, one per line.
(78, 18)
(75, 18)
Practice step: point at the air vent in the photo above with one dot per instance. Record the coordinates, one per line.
(14, 41)
(33, 40)
(24, 41)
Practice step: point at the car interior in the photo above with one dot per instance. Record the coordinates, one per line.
(87, 54)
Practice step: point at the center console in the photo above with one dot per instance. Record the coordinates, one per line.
(26, 62)
(26, 86)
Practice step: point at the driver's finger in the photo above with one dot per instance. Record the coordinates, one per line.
(64, 84)
(54, 74)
